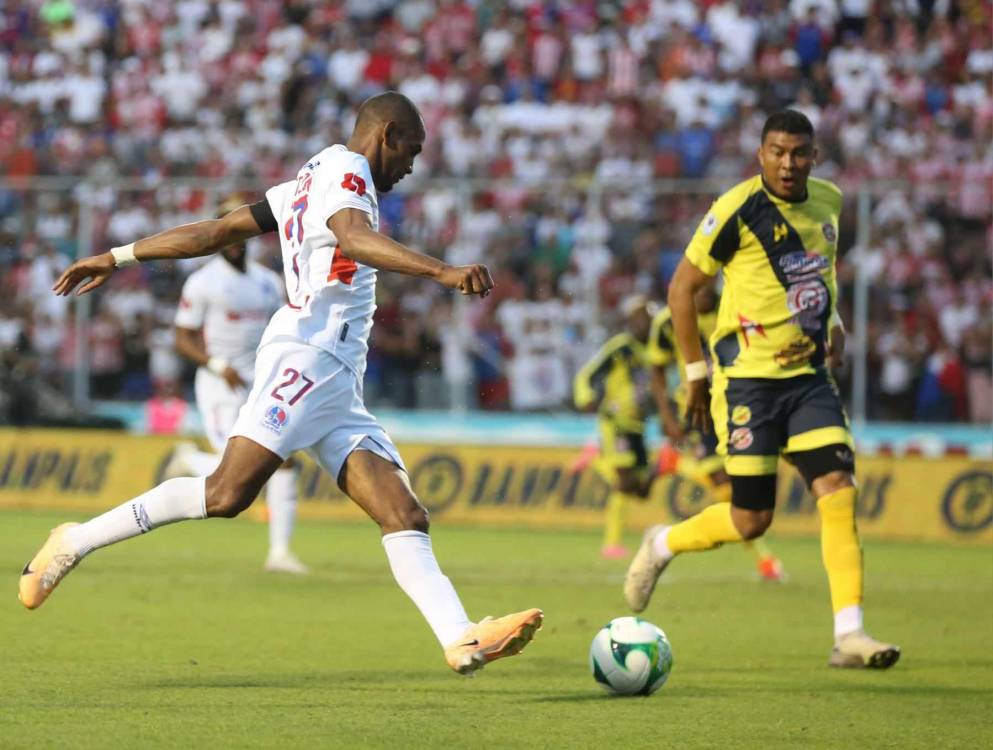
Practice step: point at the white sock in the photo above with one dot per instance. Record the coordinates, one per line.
(173, 500)
(418, 574)
(281, 498)
(660, 544)
(847, 620)
(201, 463)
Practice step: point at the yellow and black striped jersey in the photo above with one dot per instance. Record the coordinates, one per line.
(780, 291)
(616, 381)
(662, 350)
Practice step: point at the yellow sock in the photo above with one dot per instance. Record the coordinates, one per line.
(613, 529)
(709, 528)
(722, 494)
(840, 547)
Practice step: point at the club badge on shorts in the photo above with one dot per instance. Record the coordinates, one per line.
(275, 418)
(741, 415)
(741, 438)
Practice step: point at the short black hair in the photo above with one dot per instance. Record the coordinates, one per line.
(386, 107)
(787, 121)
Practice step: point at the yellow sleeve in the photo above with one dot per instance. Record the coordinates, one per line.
(661, 350)
(587, 386)
(716, 239)
(836, 198)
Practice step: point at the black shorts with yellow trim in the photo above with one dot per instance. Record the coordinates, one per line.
(621, 448)
(757, 419)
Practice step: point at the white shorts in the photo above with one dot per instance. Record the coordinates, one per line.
(304, 398)
(218, 406)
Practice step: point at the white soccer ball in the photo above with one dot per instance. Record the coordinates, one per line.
(631, 657)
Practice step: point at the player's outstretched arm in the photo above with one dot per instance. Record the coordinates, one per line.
(186, 241)
(687, 280)
(363, 244)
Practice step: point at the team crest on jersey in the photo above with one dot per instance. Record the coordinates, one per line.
(741, 415)
(741, 438)
(275, 418)
(829, 234)
(709, 224)
(808, 300)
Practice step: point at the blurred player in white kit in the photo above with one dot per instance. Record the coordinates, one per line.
(222, 315)
(307, 390)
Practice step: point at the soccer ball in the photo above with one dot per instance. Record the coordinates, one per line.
(630, 657)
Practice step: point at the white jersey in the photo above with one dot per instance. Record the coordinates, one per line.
(331, 297)
(232, 308)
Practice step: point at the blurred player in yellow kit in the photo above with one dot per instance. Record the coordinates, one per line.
(615, 383)
(625, 381)
(774, 236)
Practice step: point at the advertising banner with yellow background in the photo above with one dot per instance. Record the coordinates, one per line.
(948, 499)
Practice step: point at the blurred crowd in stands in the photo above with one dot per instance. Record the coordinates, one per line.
(553, 129)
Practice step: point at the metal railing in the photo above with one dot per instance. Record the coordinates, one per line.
(82, 194)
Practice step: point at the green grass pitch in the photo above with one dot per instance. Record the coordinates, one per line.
(179, 640)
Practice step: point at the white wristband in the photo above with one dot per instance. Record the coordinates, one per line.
(217, 365)
(696, 370)
(124, 256)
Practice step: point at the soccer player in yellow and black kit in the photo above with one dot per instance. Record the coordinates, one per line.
(616, 384)
(698, 459)
(775, 238)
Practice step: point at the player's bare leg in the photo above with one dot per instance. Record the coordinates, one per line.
(244, 469)
(842, 554)
(383, 491)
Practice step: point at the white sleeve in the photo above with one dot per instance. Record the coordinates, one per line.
(276, 196)
(348, 184)
(192, 305)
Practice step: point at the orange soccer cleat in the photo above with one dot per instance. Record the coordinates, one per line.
(586, 456)
(668, 460)
(489, 640)
(52, 563)
(770, 569)
(613, 552)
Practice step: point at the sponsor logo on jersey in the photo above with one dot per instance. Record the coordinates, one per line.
(709, 224)
(741, 415)
(275, 418)
(808, 300)
(800, 265)
(741, 438)
(829, 234)
(779, 232)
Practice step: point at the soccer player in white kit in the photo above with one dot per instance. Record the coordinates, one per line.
(223, 311)
(307, 390)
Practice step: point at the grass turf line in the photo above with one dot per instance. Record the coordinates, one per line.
(179, 639)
